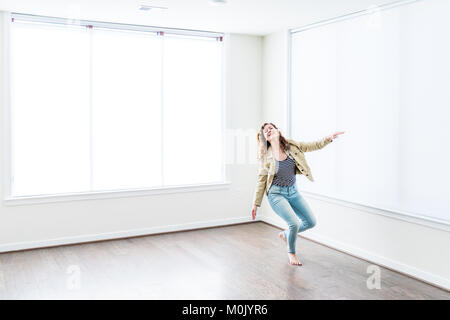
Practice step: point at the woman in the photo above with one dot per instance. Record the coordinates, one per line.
(280, 160)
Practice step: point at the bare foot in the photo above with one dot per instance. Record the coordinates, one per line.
(281, 235)
(293, 259)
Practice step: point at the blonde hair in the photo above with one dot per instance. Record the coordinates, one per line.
(263, 144)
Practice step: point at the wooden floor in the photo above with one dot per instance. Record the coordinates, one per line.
(245, 261)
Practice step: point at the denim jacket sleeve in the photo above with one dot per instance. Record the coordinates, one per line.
(312, 146)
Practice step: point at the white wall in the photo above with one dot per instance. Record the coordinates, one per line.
(275, 79)
(27, 226)
(420, 251)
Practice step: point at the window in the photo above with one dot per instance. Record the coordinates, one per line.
(386, 85)
(98, 107)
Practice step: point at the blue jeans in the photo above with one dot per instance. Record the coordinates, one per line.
(292, 208)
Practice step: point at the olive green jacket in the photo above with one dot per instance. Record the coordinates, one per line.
(267, 165)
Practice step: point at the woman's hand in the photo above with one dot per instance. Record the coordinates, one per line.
(255, 208)
(335, 135)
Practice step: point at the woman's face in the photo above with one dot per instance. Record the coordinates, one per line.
(270, 132)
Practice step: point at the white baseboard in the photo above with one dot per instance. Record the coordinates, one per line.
(121, 234)
(413, 272)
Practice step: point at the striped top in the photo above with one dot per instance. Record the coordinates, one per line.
(284, 172)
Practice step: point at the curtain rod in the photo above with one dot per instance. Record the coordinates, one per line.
(113, 25)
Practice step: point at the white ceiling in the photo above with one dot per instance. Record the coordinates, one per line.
(257, 17)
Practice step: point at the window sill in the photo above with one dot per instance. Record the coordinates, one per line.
(126, 193)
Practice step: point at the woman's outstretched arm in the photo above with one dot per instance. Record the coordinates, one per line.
(317, 145)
